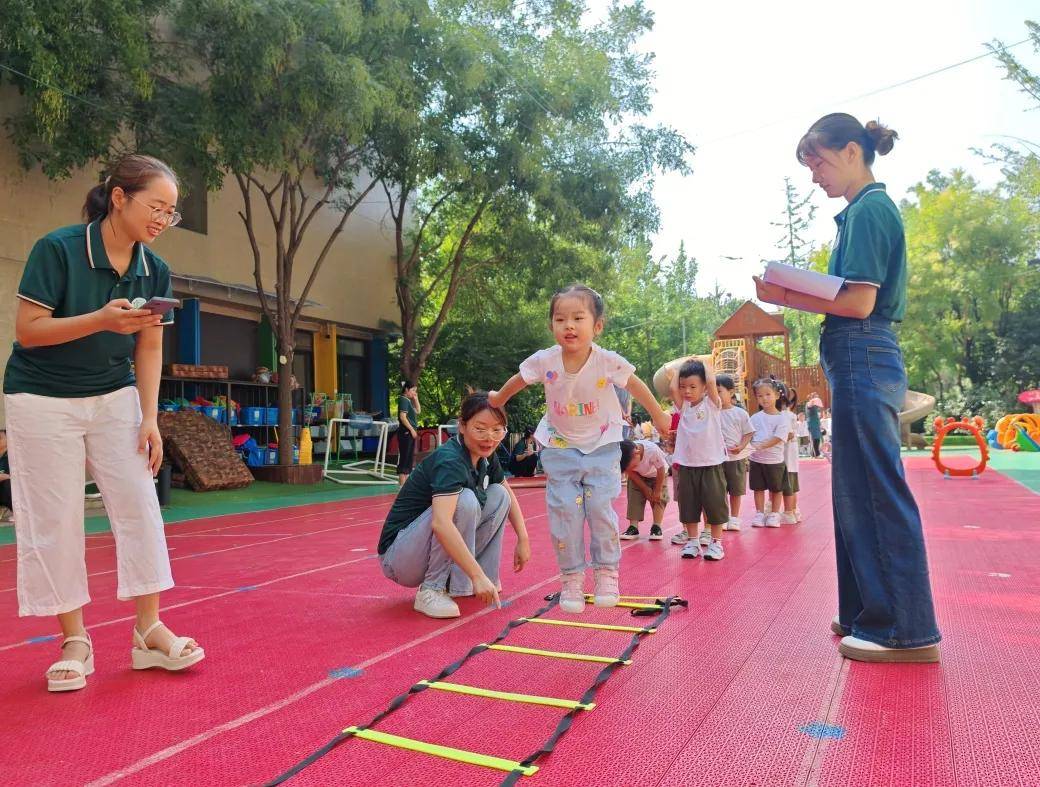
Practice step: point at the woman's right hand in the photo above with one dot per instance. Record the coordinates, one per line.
(485, 590)
(119, 317)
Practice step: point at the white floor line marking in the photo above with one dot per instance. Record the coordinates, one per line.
(192, 602)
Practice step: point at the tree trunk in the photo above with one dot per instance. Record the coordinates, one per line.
(286, 438)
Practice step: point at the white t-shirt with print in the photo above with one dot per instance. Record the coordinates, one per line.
(825, 425)
(698, 439)
(582, 409)
(736, 423)
(766, 428)
(791, 448)
(653, 461)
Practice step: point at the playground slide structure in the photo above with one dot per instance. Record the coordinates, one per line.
(915, 407)
(1018, 432)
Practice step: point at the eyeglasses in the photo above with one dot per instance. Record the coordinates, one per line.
(482, 434)
(158, 214)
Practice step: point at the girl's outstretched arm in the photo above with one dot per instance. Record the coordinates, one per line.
(513, 386)
(642, 394)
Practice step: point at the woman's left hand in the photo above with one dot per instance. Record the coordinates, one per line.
(769, 293)
(149, 442)
(521, 554)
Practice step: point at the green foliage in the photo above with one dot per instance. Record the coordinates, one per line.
(968, 251)
(90, 70)
(518, 157)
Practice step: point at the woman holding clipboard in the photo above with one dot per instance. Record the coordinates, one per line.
(885, 610)
(92, 299)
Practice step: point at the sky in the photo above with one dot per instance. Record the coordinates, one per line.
(744, 81)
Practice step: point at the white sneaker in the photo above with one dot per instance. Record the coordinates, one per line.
(759, 520)
(435, 604)
(680, 538)
(733, 524)
(788, 518)
(692, 549)
(797, 515)
(714, 551)
(772, 520)
(606, 592)
(572, 593)
(705, 538)
(863, 650)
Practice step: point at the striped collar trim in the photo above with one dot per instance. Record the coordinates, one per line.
(141, 266)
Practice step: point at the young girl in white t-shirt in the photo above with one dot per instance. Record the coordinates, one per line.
(737, 433)
(767, 453)
(786, 403)
(581, 434)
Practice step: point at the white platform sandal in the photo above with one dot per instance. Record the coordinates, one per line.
(81, 668)
(172, 660)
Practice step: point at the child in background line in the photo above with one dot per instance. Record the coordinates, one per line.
(737, 432)
(767, 453)
(786, 404)
(581, 433)
(645, 466)
(700, 454)
(804, 438)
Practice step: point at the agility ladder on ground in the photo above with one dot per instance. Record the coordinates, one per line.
(642, 606)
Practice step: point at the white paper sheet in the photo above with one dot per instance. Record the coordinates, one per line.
(820, 285)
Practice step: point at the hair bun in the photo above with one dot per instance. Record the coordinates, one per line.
(882, 136)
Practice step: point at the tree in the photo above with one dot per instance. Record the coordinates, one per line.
(285, 93)
(968, 250)
(510, 158)
(83, 70)
(798, 214)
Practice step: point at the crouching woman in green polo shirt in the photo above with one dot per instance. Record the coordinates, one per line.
(444, 532)
(885, 610)
(74, 399)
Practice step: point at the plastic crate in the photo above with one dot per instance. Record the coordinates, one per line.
(253, 416)
(256, 456)
(218, 414)
(271, 416)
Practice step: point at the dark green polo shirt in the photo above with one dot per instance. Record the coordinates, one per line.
(69, 273)
(447, 471)
(405, 405)
(871, 249)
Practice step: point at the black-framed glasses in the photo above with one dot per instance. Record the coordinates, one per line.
(158, 214)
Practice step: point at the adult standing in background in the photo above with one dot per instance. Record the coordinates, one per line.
(625, 399)
(813, 413)
(408, 409)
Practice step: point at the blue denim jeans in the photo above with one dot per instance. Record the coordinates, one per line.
(884, 594)
(578, 488)
(417, 559)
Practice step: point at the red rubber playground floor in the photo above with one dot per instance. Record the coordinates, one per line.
(304, 637)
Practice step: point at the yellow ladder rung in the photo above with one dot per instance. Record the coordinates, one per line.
(630, 604)
(556, 654)
(575, 624)
(531, 699)
(446, 752)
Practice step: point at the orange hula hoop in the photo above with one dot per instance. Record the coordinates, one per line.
(974, 428)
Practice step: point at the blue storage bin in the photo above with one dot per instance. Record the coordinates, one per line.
(270, 456)
(271, 416)
(214, 412)
(253, 416)
(256, 456)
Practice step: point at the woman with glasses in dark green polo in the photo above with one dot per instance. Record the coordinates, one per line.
(444, 532)
(81, 390)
